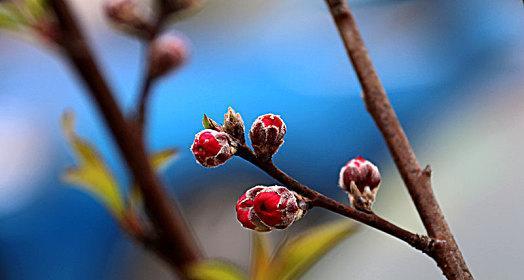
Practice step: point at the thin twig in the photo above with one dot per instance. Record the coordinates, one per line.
(418, 182)
(174, 235)
(143, 100)
(420, 242)
(142, 104)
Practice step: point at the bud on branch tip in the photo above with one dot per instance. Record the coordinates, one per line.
(166, 53)
(267, 135)
(361, 179)
(126, 13)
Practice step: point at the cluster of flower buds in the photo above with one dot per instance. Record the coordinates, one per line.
(267, 135)
(361, 179)
(166, 53)
(212, 148)
(263, 208)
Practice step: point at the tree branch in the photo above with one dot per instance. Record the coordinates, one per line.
(449, 258)
(173, 232)
(420, 242)
(147, 81)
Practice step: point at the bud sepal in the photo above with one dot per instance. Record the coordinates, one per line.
(209, 123)
(234, 126)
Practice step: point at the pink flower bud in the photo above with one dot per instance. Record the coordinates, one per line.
(264, 208)
(166, 54)
(122, 11)
(361, 179)
(212, 148)
(267, 135)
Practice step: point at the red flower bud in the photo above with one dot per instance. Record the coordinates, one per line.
(212, 148)
(360, 178)
(166, 54)
(264, 208)
(267, 135)
(245, 212)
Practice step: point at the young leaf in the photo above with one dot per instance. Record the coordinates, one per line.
(163, 157)
(36, 7)
(8, 17)
(91, 173)
(209, 123)
(260, 256)
(296, 256)
(16, 11)
(215, 270)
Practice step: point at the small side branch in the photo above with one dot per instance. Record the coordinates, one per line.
(420, 242)
(148, 80)
(143, 101)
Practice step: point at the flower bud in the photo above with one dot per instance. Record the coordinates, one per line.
(267, 135)
(245, 212)
(125, 12)
(212, 148)
(264, 208)
(234, 125)
(361, 179)
(166, 54)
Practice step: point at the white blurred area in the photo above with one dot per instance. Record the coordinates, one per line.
(25, 146)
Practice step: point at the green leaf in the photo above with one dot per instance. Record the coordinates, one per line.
(16, 11)
(260, 256)
(8, 17)
(36, 7)
(209, 123)
(215, 270)
(91, 173)
(296, 256)
(162, 158)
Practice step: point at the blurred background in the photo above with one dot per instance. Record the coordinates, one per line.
(453, 70)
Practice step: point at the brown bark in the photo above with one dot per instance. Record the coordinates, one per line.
(418, 181)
